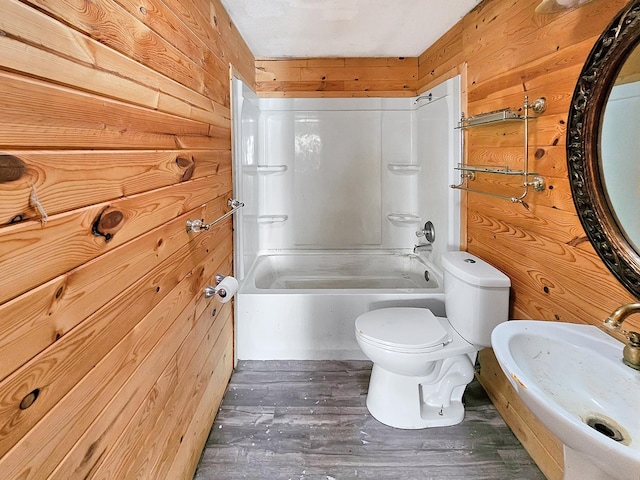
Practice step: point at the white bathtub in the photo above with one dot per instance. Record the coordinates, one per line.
(303, 305)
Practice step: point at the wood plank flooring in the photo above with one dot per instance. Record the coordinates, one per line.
(307, 420)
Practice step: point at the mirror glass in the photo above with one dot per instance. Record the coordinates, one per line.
(620, 149)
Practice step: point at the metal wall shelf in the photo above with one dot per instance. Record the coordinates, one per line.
(505, 115)
(468, 172)
(506, 170)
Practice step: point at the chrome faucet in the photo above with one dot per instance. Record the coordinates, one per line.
(429, 234)
(423, 247)
(631, 351)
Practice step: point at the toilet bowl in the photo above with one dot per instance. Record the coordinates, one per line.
(423, 363)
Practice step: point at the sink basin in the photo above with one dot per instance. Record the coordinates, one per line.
(573, 379)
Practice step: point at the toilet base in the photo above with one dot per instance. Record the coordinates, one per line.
(410, 402)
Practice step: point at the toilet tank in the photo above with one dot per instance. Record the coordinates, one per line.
(476, 296)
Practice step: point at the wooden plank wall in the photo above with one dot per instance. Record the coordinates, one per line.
(505, 50)
(337, 77)
(115, 123)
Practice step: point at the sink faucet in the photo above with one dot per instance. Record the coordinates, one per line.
(631, 351)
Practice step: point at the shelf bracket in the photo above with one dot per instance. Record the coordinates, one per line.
(537, 184)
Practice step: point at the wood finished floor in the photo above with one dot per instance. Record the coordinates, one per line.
(307, 420)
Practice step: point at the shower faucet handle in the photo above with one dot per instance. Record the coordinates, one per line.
(428, 232)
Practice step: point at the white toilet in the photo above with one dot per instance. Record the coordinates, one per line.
(423, 363)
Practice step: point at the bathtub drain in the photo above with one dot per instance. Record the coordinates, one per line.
(604, 427)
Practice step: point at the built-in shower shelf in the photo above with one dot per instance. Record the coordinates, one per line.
(403, 168)
(264, 169)
(267, 219)
(403, 218)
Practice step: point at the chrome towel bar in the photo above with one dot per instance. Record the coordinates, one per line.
(198, 225)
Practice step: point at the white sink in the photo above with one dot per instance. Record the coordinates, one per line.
(570, 376)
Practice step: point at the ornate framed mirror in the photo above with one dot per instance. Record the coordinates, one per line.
(603, 147)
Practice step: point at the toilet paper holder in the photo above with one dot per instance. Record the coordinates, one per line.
(210, 291)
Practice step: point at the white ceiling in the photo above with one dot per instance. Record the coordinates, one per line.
(344, 28)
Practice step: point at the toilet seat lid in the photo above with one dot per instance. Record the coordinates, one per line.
(408, 329)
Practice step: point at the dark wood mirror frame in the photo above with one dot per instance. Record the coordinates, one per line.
(583, 150)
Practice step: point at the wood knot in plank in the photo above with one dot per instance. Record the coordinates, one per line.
(89, 453)
(575, 241)
(108, 223)
(188, 165)
(11, 168)
(29, 399)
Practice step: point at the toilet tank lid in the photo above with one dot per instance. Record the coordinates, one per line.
(473, 270)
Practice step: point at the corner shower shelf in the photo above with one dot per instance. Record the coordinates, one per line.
(266, 219)
(404, 168)
(404, 218)
(264, 169)
(468, 172)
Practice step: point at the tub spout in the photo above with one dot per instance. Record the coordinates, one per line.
(427, 247)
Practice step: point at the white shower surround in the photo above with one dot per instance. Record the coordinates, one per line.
(292, 157)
